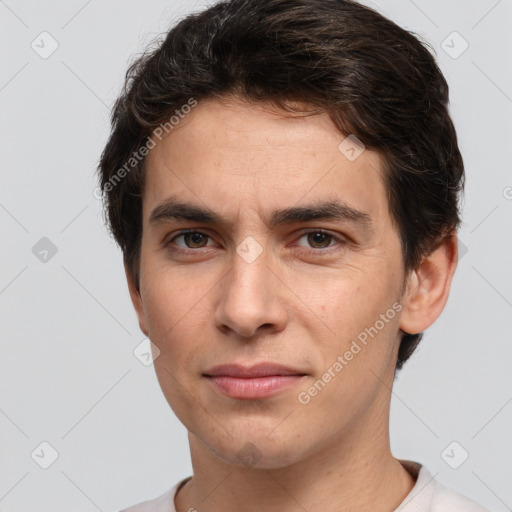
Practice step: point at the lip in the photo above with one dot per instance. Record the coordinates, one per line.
(248, 372)
(257, 381)
(255, 387)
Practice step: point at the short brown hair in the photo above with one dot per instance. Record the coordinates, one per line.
(376, 81)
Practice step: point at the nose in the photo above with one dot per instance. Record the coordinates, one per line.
(252, 300)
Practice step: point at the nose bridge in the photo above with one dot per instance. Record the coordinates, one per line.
(250, 275)
(249, 294)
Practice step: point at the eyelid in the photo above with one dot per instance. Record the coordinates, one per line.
(173, 236)
(335, 238)
(305, 231)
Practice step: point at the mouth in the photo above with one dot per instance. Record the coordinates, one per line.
(258, 381)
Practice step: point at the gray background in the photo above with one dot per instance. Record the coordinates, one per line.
(68, 374)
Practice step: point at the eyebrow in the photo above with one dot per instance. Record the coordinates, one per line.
(175, 209)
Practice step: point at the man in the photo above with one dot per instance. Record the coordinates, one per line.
(283, 179)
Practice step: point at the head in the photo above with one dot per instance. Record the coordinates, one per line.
(256, 125)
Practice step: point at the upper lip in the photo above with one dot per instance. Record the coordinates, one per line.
(247, 372)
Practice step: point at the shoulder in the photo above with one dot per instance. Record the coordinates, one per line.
(162, 503)
(428, 495)
(446, 500)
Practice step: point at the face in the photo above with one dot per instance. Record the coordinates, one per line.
(291, 258)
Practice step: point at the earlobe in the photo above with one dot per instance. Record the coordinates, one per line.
(428, 287)
(136, 301)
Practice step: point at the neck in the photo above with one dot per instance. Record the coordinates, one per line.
(356, 471)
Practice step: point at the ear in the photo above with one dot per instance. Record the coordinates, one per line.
(136, 301)
(428, 287)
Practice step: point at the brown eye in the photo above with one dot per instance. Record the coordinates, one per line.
(318, 239)
(192, 239)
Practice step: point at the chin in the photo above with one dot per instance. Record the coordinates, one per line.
(256, 451)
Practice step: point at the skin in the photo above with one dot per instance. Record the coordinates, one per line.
(207, 306)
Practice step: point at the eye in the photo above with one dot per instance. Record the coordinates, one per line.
(320, 239)
(192, 239)
(316, 240)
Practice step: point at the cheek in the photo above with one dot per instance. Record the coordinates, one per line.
(357, 335)
(176, 315)
(356, 360)
(176, 307)
(345, 301)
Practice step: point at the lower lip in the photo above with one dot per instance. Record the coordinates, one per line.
(257, 387)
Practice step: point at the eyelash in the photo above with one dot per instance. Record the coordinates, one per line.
(309, 250)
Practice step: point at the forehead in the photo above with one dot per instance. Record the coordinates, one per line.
(234, 155)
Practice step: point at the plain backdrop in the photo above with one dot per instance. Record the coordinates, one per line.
(69, 377)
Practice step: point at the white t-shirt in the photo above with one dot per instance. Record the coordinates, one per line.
(427, 495)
